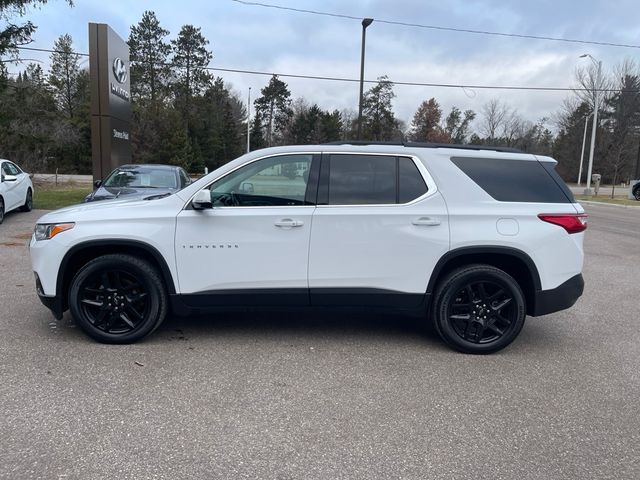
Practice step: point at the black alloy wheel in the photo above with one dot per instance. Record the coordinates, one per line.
(479, 309)
(28, 202)
(118, 298)
(636, 191)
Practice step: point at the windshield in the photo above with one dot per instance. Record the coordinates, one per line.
(142, 177)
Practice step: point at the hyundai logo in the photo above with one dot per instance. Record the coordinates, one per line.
(119, 70)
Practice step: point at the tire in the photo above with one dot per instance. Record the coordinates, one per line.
(478, 309)
(1, 210)
(118, 298)
(636, 191)
(28, 202)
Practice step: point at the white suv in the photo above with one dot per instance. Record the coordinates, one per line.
(473, 238)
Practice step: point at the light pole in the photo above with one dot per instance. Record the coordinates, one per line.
(584, 141)
(249, 121)
(365, 23)
(596, 100)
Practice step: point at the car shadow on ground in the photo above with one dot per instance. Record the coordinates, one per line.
(313, 324)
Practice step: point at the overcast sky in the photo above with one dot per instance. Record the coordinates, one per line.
(258, 38)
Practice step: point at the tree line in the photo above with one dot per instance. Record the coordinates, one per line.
(184, 115)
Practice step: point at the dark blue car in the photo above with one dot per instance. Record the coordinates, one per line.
(137, 182)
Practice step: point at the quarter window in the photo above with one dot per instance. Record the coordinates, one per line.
(509, 180)
(272, 181)
(410, 182)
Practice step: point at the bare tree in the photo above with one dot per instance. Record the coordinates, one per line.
(493, 116)
(622, 121)
(591, 85)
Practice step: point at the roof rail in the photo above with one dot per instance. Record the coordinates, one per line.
(426, 145)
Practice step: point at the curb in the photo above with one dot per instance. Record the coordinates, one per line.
(590, 202)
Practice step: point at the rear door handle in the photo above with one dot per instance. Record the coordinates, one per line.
(426, 222)
(289, 223)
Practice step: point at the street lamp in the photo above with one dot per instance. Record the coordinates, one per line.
(598, 64)
(365, 23)
(584, 141)
(249, 121)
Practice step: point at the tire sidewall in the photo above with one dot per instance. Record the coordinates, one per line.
(144, 273)
(28, 202)
(1, 210)
(454, 284)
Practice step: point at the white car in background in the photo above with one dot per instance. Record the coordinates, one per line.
(16, 189)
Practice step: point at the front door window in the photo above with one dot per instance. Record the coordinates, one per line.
(269, 182)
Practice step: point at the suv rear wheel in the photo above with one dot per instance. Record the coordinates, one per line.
(118, 298)
(479, 309)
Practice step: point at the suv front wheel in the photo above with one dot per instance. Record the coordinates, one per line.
(118, 298)
(479, 309)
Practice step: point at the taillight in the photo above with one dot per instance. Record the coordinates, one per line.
(572, 223)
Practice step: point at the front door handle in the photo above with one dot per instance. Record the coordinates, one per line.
(288, 223)
(426, 221)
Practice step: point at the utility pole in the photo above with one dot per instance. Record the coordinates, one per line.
(596, 101)
(637, 172)
(584, 141)
(249, 122)
(365, 23)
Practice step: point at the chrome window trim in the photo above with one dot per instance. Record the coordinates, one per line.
(432, 188)
(282, 154)
(426, 176)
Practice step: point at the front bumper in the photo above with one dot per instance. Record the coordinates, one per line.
(559, 298)
(52, 302)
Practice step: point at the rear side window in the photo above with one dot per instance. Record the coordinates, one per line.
(362, 179)
(371, 180)
(516, 180)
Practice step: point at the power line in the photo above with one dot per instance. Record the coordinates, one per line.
(438, 27)
(48, 50)
(419, 84)
(402, 83)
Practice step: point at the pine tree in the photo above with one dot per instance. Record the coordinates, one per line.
(63, 75)
(149, 58)
(190, 58)
(379, 121)
(274, 109)
(458, 123)
(13, 34)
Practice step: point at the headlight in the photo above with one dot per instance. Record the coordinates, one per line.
(45, 231)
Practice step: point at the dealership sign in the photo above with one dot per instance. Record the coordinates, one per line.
(121, 76)
(110, 100)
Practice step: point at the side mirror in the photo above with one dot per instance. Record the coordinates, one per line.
(10, 178)
(202, 200)
(97, 184)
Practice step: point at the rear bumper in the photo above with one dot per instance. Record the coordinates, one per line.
(559, 298)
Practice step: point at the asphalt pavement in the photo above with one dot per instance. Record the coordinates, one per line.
(326, 396)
